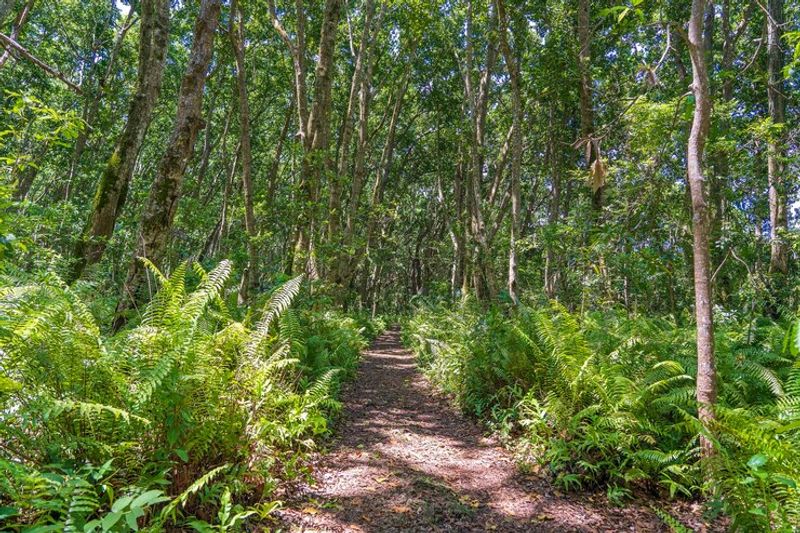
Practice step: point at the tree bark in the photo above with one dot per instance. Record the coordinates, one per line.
(335, 200)
(112, 188)
(779, 250)
(477, 104)
(586, 106)
(316, 160)
(706, 373)
(92, 102)
(162, 203)
(314, 125)
(348, 256)
(516, 147)
(10, 45)
(237, 35)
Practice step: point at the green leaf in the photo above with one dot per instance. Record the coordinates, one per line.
(150, 497)
(121, 504)
(109, 520)
(132, 517)
(8, 386)
(182, 454)
(785, 480)
(757, 461)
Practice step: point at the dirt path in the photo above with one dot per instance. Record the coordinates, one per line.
(407, 461)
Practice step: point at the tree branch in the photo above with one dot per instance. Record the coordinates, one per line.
(10, 44)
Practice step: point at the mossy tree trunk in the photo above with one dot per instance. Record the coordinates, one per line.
(112, 188)
(162, 202)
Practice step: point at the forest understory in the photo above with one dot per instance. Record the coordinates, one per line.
(404, 458)
(580, 217)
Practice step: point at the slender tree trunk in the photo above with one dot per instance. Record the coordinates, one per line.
(477, 104)
(162, 203)
(112, 188)
(317, 159)
(208, 147)
(272, 178)
(516, 148)
(586, 105)
(92, 104)
(349, 257)
(552, 270)
(387, 158)
(212, 244)
(706, 373)
(335, 201)
(779, 250)
(237, 35)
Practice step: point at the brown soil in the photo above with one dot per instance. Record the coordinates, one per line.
(406, 460)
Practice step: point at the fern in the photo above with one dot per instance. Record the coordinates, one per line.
(277, 304)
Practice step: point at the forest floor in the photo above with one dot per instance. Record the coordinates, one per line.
(405, 459)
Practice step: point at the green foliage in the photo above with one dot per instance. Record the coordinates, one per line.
(607, 400)
(176, 409)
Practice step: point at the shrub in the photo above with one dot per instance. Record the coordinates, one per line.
(607, 400)
(168, 422)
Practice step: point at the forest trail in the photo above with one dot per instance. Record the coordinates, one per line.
(406, 460)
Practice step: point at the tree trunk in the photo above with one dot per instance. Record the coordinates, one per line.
(316, 160)
(516, 148)
(586, 106)
(335, 201)
(272, 178)
(779, 250)
(706, 373)
(112, 189)
(348, 257)
(237, 35)
(92, 103)
(477, 103)
(162, 203)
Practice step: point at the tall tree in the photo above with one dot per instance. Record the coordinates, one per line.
(477, 105)
(335, 201)
(314, 124)
(593, 161)
(512, 65)
(162, 202)
(779, 248)
(237, 36)
(706, 372)
(112, 188)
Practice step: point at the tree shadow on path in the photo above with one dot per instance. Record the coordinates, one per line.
(405, 460)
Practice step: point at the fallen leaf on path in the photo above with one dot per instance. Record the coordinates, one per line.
(472, 502)
(310, 510)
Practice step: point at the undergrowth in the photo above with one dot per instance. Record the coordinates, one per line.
(190, 419)
(606, 400)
